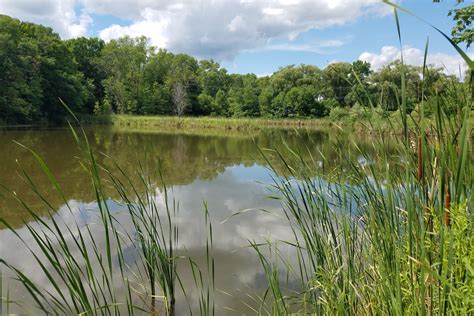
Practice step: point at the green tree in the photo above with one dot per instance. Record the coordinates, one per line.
(463, 32)
(123, 61)
(243, 96)
(220, 106)
(36, 71)
(86, 52)
(158, 94)
(387, 85)
(20, 79)
(305, 83)
(360, 91)
(304, 101)
(337, 76)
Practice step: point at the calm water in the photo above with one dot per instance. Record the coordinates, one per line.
(225, 170)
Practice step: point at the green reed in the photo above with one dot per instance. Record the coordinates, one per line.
(391, 241)
(396, 239)
(87, 274)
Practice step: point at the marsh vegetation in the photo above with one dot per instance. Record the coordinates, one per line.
(253, 221)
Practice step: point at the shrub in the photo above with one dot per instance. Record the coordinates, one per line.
(102, 109)
(338, 114)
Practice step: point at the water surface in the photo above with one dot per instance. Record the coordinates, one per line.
(226, 170)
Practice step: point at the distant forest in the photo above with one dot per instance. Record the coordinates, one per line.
(128, 76)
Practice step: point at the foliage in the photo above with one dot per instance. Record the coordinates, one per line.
(463, 32)
(397, 241)
(102, 108)
(86, 53)
(135, 78)
(36, 70)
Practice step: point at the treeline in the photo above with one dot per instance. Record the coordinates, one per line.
(128, 76)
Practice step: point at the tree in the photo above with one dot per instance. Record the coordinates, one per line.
(304, 82)
(157, 93)
(265, 102)
(36, 71)
(205, 103)
(123, 61)
(182, 81)
(180, 98)
(212, 77)
(360, 91)
(387, 84)
(243, 96)
(86, 53)
(337, 76)
(463, 32)
(304, 101)
(20, 80)
(220, 106)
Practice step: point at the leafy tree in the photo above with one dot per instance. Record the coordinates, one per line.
(86, 52)
(305, 83)
(243, 96)
(20, 79)
(302, 101)
(127, 75)
(337, 77)
(463, 32)
(265, 102)
(212, 77)
(123, 61)
(348, 81)
(36, 70)
(360, 91)
(157, 94)
(220, 107)
(388, 85)
(205, 103)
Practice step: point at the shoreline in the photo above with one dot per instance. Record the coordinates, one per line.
(390, 126)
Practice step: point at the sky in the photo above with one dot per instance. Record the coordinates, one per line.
(259, 36)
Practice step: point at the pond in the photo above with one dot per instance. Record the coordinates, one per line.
(225, 170)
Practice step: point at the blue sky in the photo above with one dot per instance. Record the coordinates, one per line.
(367, 34)
(257, 36)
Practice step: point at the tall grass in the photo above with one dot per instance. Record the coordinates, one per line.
(214, 123)
(205, 280)
(392, 242)
(89, 273)
(106, 268)
(156, 236)
(395, 238)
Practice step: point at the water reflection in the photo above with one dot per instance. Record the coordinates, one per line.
(238, 270)
(182, 158)
(223, 170)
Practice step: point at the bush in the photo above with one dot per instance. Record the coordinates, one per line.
(102, 109)
(360, 113)
(338, 114)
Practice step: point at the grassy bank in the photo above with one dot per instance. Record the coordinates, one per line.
(360, 123)
(357, 120)
(190, 123)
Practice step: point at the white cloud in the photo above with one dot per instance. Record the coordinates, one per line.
(204, 28)
(264, 74)
(320, 47)
(152, 26)
(80, 29)
(58, 14)
(415, 56)
(222, 29)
